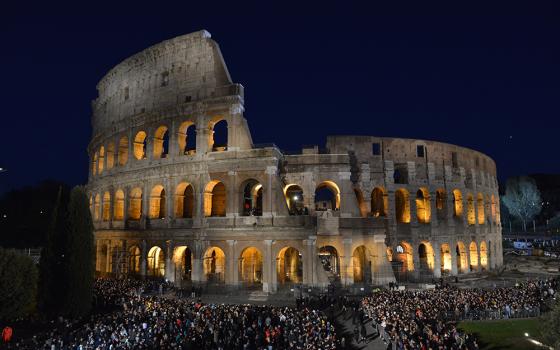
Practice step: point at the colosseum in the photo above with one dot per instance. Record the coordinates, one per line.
(178, 190)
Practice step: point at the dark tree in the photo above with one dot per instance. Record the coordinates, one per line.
(18, 285)
(78, 255)
(550, 330)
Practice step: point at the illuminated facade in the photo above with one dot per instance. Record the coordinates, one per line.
(178, 189)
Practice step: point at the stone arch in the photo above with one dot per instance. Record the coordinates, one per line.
(441, 204)
(423, 207)
(106, 206)
(404, 254)
(402, 206)
(289, 266)
(140, 145)
(330, 259)
(94, 163)
(471, 219)
(483, 255)
(361, 202)
(462, 259)
(294, 199)
(252, 198)
(110, 155)
(157, 202)
(123, 150)
(457, 203)
(379, 202)
(101, 160)
(156, 262)
(96, 208)
(187, 138)
(161, 142)
(480, 208)
(215, 199)
(134, 260)
(446, 261)
(184, 200)
(214, 265)
(361, 265)
(327, 194)
(118, 205)
(251, 266)
(183, 261)
(218, 136)
(493, 207)
(135, 204)
(473, 252)
(426, 258)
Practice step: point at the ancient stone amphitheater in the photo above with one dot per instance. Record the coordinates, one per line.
(179, 190)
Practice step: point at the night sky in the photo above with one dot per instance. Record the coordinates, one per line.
(484, 78)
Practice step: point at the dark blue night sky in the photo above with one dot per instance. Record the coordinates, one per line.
(484, 78)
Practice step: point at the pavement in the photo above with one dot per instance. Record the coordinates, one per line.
(346, 325)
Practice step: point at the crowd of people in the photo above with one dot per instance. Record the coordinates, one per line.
(152, 321)
(426, 319)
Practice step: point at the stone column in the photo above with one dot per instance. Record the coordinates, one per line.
(415, 259)
(146, 193)
(267, 268)
(468, 254)
(437, 259)
(453, 251)
(173, 145)
(98, 249)
(143, 258)
(309, 261)
(126, 203)
(269, 191)
(109, 253)
(232, 273)
(347, 271)
(433, 210)
(202, 136)
(130, 154)
(232, 200)
(169, 265)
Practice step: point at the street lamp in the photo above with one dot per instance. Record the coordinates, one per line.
(3, 170)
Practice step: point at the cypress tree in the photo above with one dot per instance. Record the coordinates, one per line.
(78, 255)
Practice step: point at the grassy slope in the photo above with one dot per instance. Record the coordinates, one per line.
(503, 334)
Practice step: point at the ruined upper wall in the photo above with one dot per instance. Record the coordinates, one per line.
(176, 71)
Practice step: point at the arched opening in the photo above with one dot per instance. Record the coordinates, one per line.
(480, 209)
(251, 266)
(423, 207)
(157, 202)
(218, 136)
(187, 138)
(327, 196)
(404, 254)
(493, 208)
(118, 210)
(462, 261)
(135, 204)
(445, 258)
(134, 260)
(402, 206)
(289, 266)
(252, 204)
(457, 203)
(214, 265)
(294, 199)
(97, 207)
(182, 258)
(101, 160)
(441, 205)
(94, 163)
(361, 202)
(470, 210)
(426, 258)
(156, 262)
(161, 142)
(110, 155)
(184, 200)
(140, 145)
(379, 201)
(362, 265)
(483, 255)
(473, 252)
(329, 259)
(215, 199)
(123, 150)
(106, 206)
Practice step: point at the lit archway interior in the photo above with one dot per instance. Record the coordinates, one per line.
(480, 208)
(156, 262)
(118, 210)
(462, 259)
(215, 199)
(106, 206)
(457, 203)
(473, 252)
(214, 265)
(140, 145)
(96, 208)
(157, 202)
(101, 160)
(445, 258)
(423, 207)
(134, 260)
(161, 142)
(402, 206)
(252, 193)
(470, 210)
(251, 265)
(483, 255)
(182, 259)
(110, 155)
(327, 196)
(135, 204)
(379, 202)
(184, 200)
(404, 254)
(328, 256)
(362, 265)
(294, 199)
(426, 257)
(289, 266)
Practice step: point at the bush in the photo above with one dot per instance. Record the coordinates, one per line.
(18, 285)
